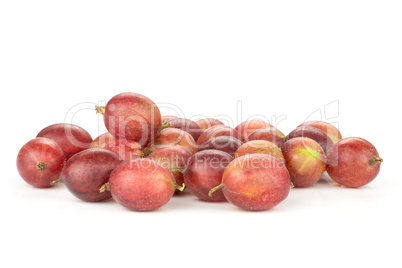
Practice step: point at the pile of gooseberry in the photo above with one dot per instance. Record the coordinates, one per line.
(145, 158)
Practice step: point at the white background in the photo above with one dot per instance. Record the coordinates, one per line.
(279, 58)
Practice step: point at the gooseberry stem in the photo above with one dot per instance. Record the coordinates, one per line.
(375, 160)
(54, 182)
(40, 166)
(214, 189)
(180, 188)
(165, 124)
(104, 188)
(99, 109)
